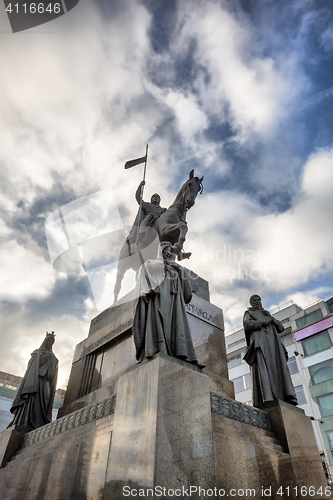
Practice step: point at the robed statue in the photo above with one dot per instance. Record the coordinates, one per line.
(32, 406)
(266, 356)
(160, 322)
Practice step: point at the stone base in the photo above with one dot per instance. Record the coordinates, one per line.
(164, 430)
(269, 464)
(10, 441)
(163, 415)
(294, 431)
(108, 351)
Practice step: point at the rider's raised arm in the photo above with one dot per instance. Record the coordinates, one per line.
(138, 195)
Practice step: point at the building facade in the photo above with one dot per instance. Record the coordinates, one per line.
(308, 338)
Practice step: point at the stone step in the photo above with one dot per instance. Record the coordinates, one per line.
(239, 430)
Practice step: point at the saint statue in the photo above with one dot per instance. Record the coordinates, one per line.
(266, 356)
(160, 321)
(148, 213)
(32, 406)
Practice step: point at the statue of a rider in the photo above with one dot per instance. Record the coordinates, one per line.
(149, 211)
(147, 214)
(158, 223)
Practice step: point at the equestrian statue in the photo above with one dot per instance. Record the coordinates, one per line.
(152, 222)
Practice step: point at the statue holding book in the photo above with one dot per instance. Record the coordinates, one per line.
(266, 356)
(160, 321)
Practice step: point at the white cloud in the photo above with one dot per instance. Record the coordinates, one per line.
(309, 297)
(4, 229)
(23, 273)
(190, 117)
(77, 103)
(253, 86)
(241, 249)
(55, 96)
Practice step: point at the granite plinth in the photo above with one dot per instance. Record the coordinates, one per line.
(294, 430)
(129, 429)
(9, 442)
(253, 461)
(160, 430)
(64, 460)
(109, 349)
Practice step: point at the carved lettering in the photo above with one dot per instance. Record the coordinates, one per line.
(120, 329)
(200, 313)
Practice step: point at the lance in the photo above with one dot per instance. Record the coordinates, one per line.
(133, 163)
(130, 164)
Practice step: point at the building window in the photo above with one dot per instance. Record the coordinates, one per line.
(285, 320)
(287, 339)
(321, 372)
(236, 342)
(292, 365)
(315, 343)
(235, 361)
(247, 378)
(329, 304)
(242, 383)
(238, 383)
(309, 318)
(300, 395)
(8, 417)
(325, 404)
(329, 435)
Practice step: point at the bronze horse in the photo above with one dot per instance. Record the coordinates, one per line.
(170, 226)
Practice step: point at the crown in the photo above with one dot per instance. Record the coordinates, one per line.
(50, 334)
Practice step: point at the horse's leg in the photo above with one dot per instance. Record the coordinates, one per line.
(176, 234)
(178, 246)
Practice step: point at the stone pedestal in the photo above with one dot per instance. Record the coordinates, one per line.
(9, 442)
(162, 434)
(108, 351)
(294, 431)
(165, 434)
(160, 429)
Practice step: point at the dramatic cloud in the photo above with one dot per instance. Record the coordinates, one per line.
(248, 250)
(238, 94)
(23, 273)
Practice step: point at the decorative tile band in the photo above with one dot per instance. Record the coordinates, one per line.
(239, 411)
(72, 421)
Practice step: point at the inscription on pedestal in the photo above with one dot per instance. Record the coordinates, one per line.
(121, 328)
(201, 314)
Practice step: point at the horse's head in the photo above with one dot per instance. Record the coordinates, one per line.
(191, 188)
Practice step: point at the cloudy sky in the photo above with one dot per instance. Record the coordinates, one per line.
(239, 90)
